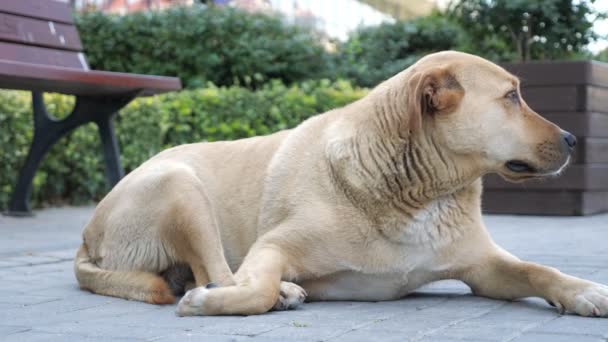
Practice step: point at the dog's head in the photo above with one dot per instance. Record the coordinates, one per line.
(474, 110)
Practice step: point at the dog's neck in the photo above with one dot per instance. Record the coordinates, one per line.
(383, 166)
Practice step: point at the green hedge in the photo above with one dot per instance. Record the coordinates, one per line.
(73, 171)
(221, 45)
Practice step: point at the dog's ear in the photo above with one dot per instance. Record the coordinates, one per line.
(430, 92)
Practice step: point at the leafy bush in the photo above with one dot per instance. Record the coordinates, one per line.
(73, 171)
(373, 54)
(221, 45)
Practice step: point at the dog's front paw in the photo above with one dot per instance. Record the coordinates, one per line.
(192, 302)
(290, 297)
(590, 299)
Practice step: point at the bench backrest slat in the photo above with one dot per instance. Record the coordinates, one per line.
(40, 32)
(42, 9)
(43, 56)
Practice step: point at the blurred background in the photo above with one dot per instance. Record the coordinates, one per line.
(253, 67)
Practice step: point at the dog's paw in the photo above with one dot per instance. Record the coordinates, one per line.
(589, 300)
(290, 297)
(191, 303)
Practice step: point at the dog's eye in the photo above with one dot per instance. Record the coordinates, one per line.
(513, 96)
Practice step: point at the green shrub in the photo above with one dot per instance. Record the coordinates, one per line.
(221, 45)
(73, 171)
(373, 54)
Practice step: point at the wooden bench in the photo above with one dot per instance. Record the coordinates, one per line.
(40, 51)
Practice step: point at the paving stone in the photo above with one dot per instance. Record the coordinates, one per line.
(94, 329)
(545, 337)
(72, 311)
(447, 339)
(6, 330)
(390, 336)
(62, 254)
(33, 336)
(6, 263)
(467, 330)
(236, 327)
(571, 324)
(600, 276)
(195, 336)
(303, 331)
(436, 317)
(370, 335)
(29, 260)
(25, 300)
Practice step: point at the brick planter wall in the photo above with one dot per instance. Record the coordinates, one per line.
(574, 95)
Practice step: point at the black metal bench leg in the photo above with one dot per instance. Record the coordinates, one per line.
(19, 205)
(47, 131)
(46, 134)
(111, 154)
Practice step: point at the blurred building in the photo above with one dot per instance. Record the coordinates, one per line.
(336, 18)
(331, 18)
(127, 6)
(402, 9)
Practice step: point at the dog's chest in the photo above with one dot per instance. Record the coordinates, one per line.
(435, 225)
(408, 244)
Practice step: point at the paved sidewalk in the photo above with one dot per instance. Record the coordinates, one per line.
(40, 300)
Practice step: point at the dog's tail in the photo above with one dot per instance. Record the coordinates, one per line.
(134, 285)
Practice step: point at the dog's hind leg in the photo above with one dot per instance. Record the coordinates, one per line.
(199, 238)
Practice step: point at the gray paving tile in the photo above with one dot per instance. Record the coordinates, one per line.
(545, 337)
(91, 328)
(196, 336)
(304, 331)
(6, 330)
(34, 336)
(21, 299)
(29, 260)
(6, 263)
(571, 324)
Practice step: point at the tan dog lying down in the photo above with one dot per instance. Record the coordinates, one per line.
(365, 202)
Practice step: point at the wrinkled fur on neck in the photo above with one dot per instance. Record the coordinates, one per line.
(390, 166)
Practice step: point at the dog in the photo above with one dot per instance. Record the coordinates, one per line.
(366, 202)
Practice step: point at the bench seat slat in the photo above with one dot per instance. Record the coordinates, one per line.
(26, 76)
(46, 9)
(43, 56)
(39, 32)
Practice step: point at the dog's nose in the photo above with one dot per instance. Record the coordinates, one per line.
(569, 138)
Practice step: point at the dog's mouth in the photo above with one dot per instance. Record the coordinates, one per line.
(519, 170)
(518, 166)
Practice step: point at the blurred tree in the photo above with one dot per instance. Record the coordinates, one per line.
(526, 29)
